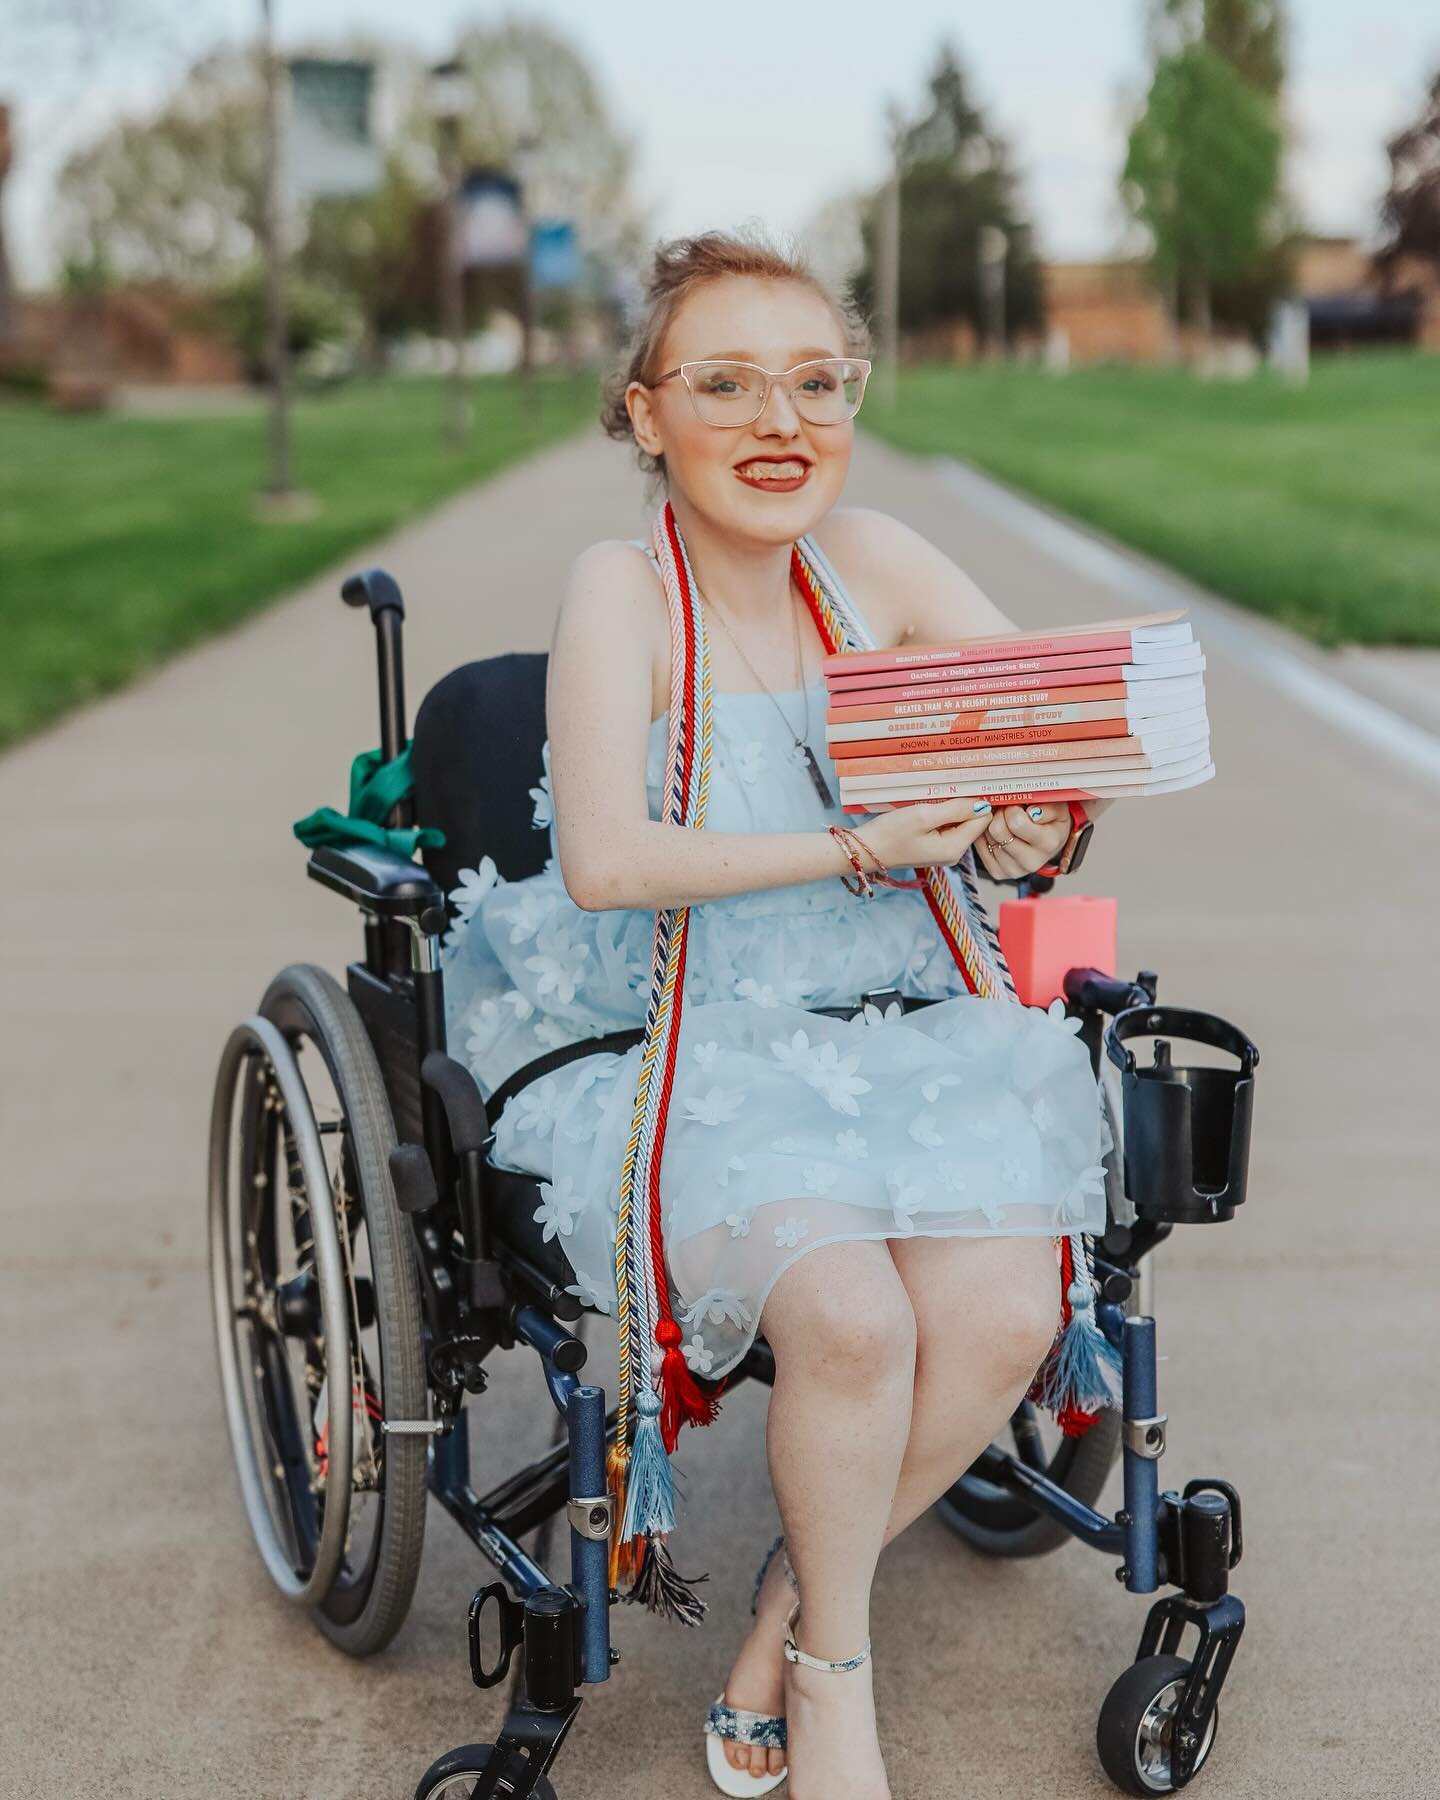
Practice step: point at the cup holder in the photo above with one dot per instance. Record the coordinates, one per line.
(1186, 1129)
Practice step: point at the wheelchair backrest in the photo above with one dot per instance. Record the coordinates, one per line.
(476, 755)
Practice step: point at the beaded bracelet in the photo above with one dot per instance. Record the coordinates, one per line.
(862, 884)
(848, 840)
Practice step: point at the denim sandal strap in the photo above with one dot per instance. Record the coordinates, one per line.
(743, 1727)
(765, 1567)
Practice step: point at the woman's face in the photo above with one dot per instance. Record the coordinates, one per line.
(777, 324)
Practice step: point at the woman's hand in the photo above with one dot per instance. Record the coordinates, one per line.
(1019, 839)
(926, 833)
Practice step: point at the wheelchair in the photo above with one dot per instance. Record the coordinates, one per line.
(367, 1258)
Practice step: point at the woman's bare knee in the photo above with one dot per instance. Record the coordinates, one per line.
(988, 1301)
(847, 1316)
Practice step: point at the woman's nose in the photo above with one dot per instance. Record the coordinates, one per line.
(778, 412)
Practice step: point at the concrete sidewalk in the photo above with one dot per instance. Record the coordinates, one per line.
(154, 887)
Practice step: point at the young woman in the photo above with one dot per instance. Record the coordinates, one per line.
(880, 1195)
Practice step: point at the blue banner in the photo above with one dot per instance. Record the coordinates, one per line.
(554, 254)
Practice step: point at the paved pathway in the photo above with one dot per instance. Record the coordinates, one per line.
(153, 886)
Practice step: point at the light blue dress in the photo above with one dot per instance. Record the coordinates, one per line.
(788, 1129)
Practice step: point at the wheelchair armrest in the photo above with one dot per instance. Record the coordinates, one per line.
(380, 881)
(459, 1095)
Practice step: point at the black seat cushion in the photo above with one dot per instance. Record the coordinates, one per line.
(476, 755)
(512, 1200)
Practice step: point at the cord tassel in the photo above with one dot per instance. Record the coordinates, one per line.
(623, 1563)
(1083, 1373)
(650, 1495)
(661, 1589)
(682, 1400)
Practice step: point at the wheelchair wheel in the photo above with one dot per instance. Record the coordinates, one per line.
(1137, 1722)
(315, 1298)
(454, 1775)
(998, 1523)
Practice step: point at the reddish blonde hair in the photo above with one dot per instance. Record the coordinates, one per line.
(681, 265)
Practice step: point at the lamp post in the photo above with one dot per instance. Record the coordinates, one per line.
(452, 97)
(7, 305)
(278, 490)
(887, 257)
(523, 160)
(994, 248)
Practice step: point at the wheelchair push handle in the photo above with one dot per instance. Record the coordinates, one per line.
(378, 590)
(1095, 991)
(1186, 1128)
(375, 588)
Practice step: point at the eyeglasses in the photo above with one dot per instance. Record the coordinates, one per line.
(826, 391)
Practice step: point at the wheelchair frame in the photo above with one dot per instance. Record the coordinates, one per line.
(479, 1293)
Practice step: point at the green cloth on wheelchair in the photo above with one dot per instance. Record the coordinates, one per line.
(375, 787)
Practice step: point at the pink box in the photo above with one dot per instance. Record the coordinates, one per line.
(1047, 934)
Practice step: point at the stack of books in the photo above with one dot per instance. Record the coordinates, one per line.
(1107, 710)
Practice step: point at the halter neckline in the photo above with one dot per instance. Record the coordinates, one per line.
(750, 694)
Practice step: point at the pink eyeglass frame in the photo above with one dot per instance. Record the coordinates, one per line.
(771, 375)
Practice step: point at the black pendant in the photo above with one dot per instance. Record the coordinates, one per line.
(817, 777)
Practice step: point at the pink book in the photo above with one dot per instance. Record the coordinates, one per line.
(1162, 697)
(1109, 665)
(991, 755)
(927, 733)
(1041, 789)
(920, 693)
(1142, 633)
(842, 754)
(1105, 770)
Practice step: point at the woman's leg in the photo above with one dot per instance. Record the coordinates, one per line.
(986, 1310)
(843, 1332)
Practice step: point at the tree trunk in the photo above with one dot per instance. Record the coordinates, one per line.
(1170, 304)
(1200, 302)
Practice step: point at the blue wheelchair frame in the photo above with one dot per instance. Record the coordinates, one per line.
(1185, 1146)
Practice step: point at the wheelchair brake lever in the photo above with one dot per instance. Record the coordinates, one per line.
(511, 1615)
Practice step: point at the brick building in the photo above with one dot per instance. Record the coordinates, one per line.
(85, 343)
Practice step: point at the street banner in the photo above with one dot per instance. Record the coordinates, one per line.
(554, 254)
(492, 228)
(328, 145)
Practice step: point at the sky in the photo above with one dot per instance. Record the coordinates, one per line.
(759, 110)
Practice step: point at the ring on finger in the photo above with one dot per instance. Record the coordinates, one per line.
(1002, 842)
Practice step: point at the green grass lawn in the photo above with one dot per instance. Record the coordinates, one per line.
(1318, 505)
(124, 539)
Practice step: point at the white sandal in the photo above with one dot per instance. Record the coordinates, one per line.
(794, 1654)
(737, 1725)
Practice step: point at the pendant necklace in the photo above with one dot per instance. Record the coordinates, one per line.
(802, 746)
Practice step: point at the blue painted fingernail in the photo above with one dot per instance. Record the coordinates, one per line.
(1035, 812)
(981, 806)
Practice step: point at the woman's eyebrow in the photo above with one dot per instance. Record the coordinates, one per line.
(810, 352)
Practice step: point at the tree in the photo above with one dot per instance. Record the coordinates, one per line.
(955, 179)
(178, 195)
(1249, 34)
(1410, 211)
(1202, 173)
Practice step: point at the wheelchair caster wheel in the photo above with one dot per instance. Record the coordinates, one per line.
(455, 1775)
(1135, 1734)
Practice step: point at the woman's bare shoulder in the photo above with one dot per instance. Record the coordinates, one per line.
(905, 585)
(614, 603)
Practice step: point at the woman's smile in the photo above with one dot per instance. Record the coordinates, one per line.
(780, 474)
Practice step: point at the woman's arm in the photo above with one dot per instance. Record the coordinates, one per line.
(598, 704)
